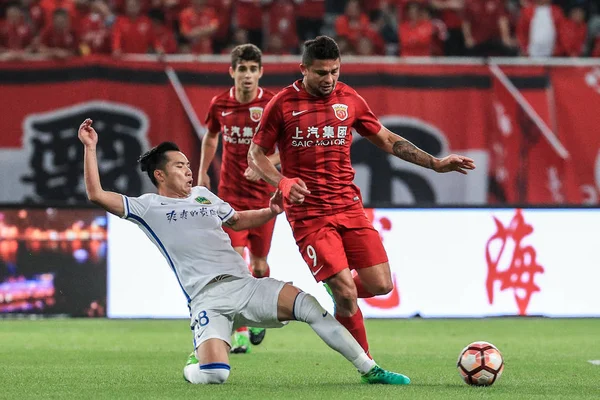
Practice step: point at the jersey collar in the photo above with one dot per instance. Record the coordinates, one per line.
(259, 96)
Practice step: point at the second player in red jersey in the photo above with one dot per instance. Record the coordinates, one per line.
(235, 115)
(311, 122)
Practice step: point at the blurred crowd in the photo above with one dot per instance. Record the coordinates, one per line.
(534, 28)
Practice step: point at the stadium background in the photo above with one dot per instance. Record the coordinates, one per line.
(525, 220)
(518, 237)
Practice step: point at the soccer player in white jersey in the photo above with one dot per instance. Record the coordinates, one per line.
(185, 224)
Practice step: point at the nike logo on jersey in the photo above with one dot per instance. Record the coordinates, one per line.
(324, 314)
(163, 204)
(224, 114)
(294, 113)
(317, 271)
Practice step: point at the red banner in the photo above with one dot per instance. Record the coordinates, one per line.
(528, 164)
(440, 108)
(577, 93)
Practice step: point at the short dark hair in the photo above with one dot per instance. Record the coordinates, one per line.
(155, 158)
(245, 52)
(320, 48)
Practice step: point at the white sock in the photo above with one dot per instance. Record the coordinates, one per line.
(206, 373)
(307, 309)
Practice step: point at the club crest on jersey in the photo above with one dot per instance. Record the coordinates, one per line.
(255, 113)
(202, 200)
(341, 111)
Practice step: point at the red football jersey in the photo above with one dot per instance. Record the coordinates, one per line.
(132, 35)
(190, 19)
(94, 35)
(237, 123)
(313, 135)
(15, 36)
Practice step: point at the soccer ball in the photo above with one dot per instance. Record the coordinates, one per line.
(480, 364)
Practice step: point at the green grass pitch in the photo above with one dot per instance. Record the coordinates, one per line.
(141, 359)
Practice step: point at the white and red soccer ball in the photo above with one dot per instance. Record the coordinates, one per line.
(480, 364)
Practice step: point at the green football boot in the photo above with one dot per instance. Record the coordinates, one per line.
(191, 360)
(378, 375)
(257, 335)
(240, 344)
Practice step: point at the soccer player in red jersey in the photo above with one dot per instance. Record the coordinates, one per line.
(235, 114)
(311, 122)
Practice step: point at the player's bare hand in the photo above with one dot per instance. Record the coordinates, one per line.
(204, 180)
(87, 134)
(276, 202)
(298, 192)
(294, 190)
(454, 162)
(251, 175)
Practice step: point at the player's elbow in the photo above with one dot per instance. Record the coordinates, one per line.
(236, 227)
(93, 196)
(97, 197)
(252, 152)
(236, 222)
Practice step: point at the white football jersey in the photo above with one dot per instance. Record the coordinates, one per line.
(189, 235)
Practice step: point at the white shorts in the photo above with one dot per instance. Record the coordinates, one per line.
(225, 305)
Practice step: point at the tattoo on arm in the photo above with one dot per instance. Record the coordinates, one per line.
(409, 152)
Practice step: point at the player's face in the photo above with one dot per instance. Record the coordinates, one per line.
(246, 75)
(177, 175)
(321, 77)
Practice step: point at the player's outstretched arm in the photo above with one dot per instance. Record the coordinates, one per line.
(209, 148)
(254, 218)
(110, 201)
(394, 144)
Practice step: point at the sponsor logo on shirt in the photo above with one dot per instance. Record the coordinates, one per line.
(325, 136)
(238, 134)
(202, 200)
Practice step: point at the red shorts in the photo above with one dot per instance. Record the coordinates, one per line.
(333, 243)
(258, 240)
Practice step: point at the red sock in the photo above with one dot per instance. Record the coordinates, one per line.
(242, 329)
(356, 326)
(265, 275)
(360, 289)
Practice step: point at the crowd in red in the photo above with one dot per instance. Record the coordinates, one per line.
(65, 28)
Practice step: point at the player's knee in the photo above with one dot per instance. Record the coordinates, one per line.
(307, 308)
(345, 296)
(381, 287)
(216, 376)
(206, 373)
(346, 307)
(220, 376)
